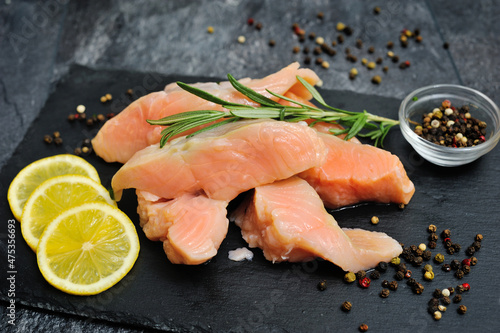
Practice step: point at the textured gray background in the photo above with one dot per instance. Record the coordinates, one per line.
(40, 40)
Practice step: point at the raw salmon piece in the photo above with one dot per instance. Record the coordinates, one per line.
(224, 161)
(288, 221)
(128, 132)
(356, 173)
(191, 227)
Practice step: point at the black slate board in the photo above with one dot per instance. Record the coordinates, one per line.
(258, 296)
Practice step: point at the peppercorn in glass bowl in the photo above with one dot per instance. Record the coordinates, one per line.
(446, 106)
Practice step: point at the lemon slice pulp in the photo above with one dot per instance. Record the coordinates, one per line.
(52, 197)
(37, 172)
(88, 249)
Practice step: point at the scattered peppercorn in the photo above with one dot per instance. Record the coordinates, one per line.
(363, 328)
(473, 261)
(446, 299)
(439, 258)
(58, 141)
(437, 294)
(382, 266)
(462, 309)
(346, 306)
(385, 284)
(470, 251)
(460, 289)
(393, 285)
(376, 79)
(395, 261)
(432, 244)
(479, 238)
(258, 26)
(399, 276)
(47, 138)
(457, 299)
(385, 293)
(418, 288)
(466, 269)
(437, 315)
(322, 285)
(432, 228)
(349, 277)
(446, 45)
(375, 275)
(376, 10)
(446, 267)
(364, 282)
(429, 275)
(459, 274)
(374, 220)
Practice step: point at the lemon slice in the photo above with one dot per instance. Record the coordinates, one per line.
(52, 197)
(88, 249)
(37, 172)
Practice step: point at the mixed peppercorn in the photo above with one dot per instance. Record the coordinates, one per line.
(449, 126)
(416, 256)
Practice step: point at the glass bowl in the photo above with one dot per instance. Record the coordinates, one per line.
(425, 99)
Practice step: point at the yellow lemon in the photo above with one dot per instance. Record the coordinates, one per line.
(88, 249)
(37, 172)
(52, 197)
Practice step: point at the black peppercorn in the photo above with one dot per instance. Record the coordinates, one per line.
(456, 247)
(446, 267)
(47, 138)
(455, 264)
(433, 237)
(385, 293)
(460, 289)
(360, 275)
(432, 309)
(418, 261)
(427, 255)
(385, 284)
(411, 282)
(437, 293)
(382, 266)
(418, 288)
(402, 267)
(432, 245)
(413, 248)
(466, 269)
(459, 274)
(58, 141)
(445, 300)
(346, 306)
(479, 238)
(399, 276)
(432, 228)
(462, 309)
(451, 290)
(473, 261)
(446, 233)
(470, 251)
(450, 250)
(393, 285)
(322, 285)
(457, 299)
(434, 301)
(476, 245)
(375, 275)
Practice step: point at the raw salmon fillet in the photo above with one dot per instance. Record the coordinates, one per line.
(288, 221)
(128, 132)
(355, 173)
(223, 162)
(191, 227)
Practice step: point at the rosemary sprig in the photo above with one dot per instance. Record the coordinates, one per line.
(375, 127)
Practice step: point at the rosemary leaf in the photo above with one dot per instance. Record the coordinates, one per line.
(184, 116)
(252, 94)
(205, 95)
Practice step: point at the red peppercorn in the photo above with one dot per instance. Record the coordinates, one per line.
(466, 262)
(466, 286)
(365, 282)
(250, 21)
(408, 274)
(407, 63)
(446, 103)
(482, 138)
(77, 116)
(448, 239)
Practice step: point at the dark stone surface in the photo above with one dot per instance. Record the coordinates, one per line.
(39, 41)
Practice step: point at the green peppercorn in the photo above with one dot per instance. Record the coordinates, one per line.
(395, 261)
(429, 275)
(346, 306)
(428, 268)
(350, 277)
(439, 258)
